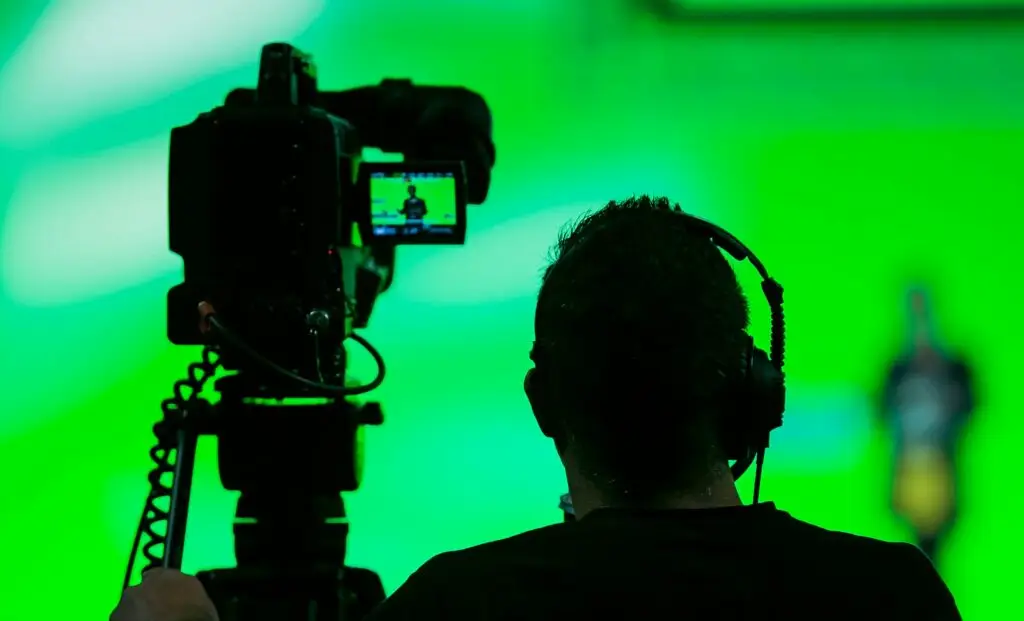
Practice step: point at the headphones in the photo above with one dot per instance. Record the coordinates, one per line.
(756, 392)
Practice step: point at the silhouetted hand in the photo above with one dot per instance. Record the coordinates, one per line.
(165, 595)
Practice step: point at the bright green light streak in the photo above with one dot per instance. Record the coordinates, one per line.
(84, 228)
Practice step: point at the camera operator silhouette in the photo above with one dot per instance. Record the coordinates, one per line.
(414, 208)
(929, 395)
(643, 328)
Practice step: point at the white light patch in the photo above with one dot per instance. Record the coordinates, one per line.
(87, 58)
(85, 228)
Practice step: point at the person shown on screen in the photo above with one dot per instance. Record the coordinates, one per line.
(929, 396)
(414, 208)
(643, 328)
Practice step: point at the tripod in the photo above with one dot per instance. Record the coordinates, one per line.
(290, 463)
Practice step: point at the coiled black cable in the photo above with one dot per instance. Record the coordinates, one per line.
(777, 347)
(185, 392)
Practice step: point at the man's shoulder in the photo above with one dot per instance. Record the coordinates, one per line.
(438, 589)
(837, 542)
(547, 538)
(883, 562)
(900, 575)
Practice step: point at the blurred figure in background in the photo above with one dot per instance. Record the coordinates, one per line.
(928, 398)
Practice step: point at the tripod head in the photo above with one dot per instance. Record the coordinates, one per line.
(288, 237)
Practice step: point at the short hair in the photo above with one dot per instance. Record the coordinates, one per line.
(641, 322)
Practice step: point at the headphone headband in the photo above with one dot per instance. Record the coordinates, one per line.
(772, 290)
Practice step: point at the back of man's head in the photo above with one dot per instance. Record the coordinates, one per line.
(641, 323)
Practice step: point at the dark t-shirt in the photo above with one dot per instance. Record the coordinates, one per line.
(414, 208)
(736, 563)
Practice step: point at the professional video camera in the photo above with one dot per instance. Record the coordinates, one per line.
(287, 238)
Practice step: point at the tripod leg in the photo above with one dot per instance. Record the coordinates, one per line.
(177, 521)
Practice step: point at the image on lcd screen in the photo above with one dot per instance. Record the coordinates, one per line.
(410, 204)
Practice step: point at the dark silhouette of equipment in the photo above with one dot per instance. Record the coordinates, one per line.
(263, 203)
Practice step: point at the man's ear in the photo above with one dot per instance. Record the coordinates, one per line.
(535, 385)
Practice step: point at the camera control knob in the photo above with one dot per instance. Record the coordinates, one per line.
(318, 319)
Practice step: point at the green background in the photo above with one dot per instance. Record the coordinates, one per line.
(852, 158)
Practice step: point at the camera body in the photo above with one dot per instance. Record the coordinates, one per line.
(256, 211)
(284, 229)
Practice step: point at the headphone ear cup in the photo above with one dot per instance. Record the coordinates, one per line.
(758, 400)
(735, 424)
(768, 394)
